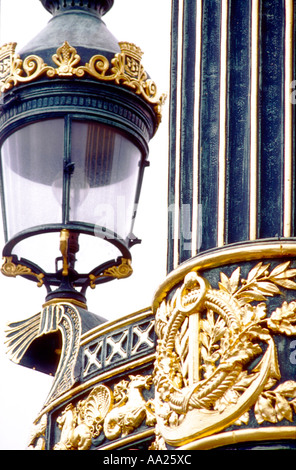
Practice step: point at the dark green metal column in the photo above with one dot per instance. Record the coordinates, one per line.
(226, 312)
(231, 151)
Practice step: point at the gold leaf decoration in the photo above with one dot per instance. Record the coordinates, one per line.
(125, 69)
(114, 413)
(121, 271)
(6, 54)
(283, 320)
(65, 58)
(274, 405)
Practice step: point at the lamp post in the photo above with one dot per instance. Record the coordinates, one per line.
(78, 111)
(91, 109)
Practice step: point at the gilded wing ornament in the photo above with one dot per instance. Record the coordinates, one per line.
(20, 335)
(208, 339)
(84, 422)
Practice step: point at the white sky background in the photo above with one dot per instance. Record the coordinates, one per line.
(22, 391)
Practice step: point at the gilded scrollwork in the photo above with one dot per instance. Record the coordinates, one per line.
(18, 70)
(62, 317)
(10, 269)
(125, 69)
(208, 341)
(121, 271)
(114, 413)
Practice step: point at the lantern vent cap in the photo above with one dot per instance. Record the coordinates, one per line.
(98, 7)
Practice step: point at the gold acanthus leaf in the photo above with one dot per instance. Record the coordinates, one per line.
(278, 404)
(260, 283)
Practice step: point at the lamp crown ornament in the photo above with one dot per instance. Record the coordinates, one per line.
(100, 7)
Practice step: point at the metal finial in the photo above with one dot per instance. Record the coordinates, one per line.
(95, 6)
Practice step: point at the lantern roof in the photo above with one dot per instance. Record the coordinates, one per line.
(80, 24)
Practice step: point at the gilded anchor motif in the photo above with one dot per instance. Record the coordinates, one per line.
(208, 339)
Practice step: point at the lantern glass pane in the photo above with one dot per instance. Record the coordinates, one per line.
(105, 175)
(32, 158)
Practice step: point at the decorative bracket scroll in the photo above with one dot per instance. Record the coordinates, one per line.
(115, 414)
(117, 272)
(11, 269)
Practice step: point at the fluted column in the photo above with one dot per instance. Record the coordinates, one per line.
(226, 312)
(232, 145)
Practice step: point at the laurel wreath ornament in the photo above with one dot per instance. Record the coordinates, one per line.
(234, 330)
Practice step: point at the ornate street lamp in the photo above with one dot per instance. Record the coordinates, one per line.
(77, 113)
